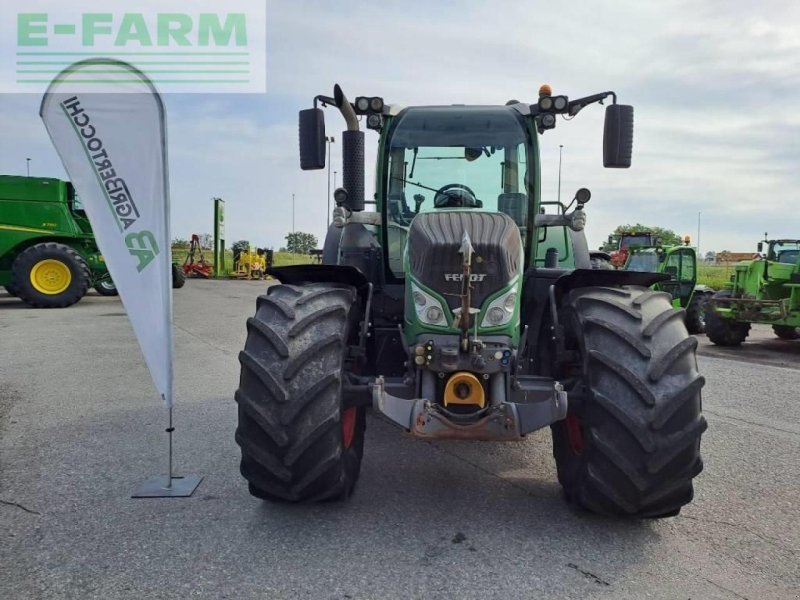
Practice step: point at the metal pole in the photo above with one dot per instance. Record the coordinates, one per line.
(334, 179)
(699, 256)
(560, 147)
(293, 229)
(170, 429)
(28, 165)
(330, 140)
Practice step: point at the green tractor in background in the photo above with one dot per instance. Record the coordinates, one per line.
(48, 255)
(680, 263)
(464, 307)
(765, 290)
(618, 245)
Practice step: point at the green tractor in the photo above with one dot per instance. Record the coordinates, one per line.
(48, 254)
(619, 243)
(463, 307)
(764, 290)
(680, 263)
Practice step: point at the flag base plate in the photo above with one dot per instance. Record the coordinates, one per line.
(160, 486)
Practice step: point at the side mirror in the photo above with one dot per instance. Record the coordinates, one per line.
(312, 139)
(760, 246)
(618, 136)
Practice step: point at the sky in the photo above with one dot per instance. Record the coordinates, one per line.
(715, 86)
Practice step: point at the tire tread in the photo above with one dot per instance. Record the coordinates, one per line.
(289, 395)
(641, 411)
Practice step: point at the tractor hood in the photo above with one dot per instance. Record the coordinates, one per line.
(435, 240)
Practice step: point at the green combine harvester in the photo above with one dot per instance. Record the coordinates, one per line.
(680, 263)
(459, 305)
(764, 290)
(48, 254)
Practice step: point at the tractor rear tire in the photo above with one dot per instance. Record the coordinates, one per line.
(12, 291)
(178, 277)
(50, 275)
(106, 288)
(724, 332)
(630, 444)
(786, 332)
(298, 442)
(696, 313)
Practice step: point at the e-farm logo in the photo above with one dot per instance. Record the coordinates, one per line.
(199, 46)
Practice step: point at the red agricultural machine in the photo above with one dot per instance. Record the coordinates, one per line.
(196, 264)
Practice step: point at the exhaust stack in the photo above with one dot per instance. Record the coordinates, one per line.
(352, 152)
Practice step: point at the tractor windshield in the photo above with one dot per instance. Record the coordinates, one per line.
(786, 251)
(645, 261)
(636, 241)
(454, 157)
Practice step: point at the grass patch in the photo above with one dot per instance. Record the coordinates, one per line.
(281, 259)
(714, 276)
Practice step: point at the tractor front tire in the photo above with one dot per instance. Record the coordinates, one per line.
(786, 332)
(12, 291)
(178, 277)
(724, 332)
(50, 275)
(298, 442)
(630, 444)
(696, 313)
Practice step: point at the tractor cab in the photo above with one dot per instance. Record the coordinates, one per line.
(627, 240)
(76, 208)
(452, 159)
(786, 252)
(679, 262)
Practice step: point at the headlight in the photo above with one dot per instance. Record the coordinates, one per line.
(429, 310)
(362, 103)
(496, 315)
(500, 310)
(376, 104)
(433, 314)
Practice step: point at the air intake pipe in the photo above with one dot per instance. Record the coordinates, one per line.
(352, 153)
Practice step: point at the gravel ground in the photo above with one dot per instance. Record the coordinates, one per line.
(80, 427)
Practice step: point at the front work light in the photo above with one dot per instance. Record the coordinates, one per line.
(376, 104)
(340, 195)
(560, 102)
(548, 121)
(362, 104)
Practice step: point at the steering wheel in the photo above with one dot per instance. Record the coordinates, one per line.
(455, 195)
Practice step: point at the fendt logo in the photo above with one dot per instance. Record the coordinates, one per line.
(199, 46)
(460, 277)
(141, 244)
